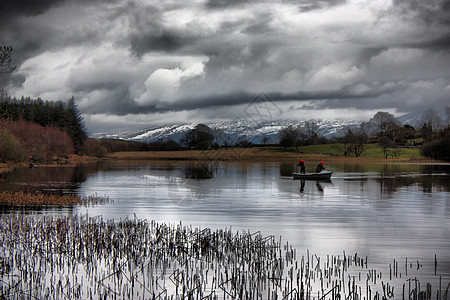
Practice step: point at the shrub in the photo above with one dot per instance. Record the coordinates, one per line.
(10, 147)
(93, 147)
(438, 149)
(112, 145)
(40, 142)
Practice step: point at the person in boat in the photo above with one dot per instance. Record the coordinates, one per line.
(301, 163)
(320, 167)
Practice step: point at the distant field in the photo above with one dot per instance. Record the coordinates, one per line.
(372, 150)
(331, 152)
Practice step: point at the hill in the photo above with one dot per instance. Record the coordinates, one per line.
(255, 132)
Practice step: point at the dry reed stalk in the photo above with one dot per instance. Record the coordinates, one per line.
(24, 200)
(80, 258)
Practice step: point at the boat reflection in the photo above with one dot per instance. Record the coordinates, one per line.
(319, 184)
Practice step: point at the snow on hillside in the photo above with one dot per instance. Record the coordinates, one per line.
(255, 132)
(417, 118)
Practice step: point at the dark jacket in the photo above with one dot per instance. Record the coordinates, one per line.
(320, 167)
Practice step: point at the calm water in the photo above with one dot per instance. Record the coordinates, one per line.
(382, 211)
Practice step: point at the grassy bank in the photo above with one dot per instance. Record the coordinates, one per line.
(329, 152)
(371, 151)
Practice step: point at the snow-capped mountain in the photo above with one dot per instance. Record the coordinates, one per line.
(255, 132)
(417, 118)
(230, 131)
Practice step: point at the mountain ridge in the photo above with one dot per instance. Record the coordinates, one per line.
(257, 132)
(253, 131)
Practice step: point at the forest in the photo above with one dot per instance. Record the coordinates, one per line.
(34, 130)
(37, 130)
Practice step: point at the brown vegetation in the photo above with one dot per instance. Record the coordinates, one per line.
(39, 142)
(21, 199)
(37, 130)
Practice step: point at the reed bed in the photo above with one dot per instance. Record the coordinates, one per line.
(76, 257)
(39, 200)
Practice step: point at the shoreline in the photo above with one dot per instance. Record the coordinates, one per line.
(255, 155)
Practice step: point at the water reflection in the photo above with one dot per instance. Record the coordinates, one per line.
(286, 169)
(302, 186)
(197, 180)
(319, 187)
(320, 184)
(381, 210)
(47, 179)
(392, 177)
(200, 170)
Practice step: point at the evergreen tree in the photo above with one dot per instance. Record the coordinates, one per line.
(74, 125)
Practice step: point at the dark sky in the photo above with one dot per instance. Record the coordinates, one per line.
(134, 64)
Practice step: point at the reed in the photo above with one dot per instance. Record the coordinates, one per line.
(38, 200)
(90, 258)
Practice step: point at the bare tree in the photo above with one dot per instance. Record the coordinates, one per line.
(431, 123)
(289, 136)
(431, 117)
(447, 112)
(382, 124)
(307, 133)
(346, 142)
(389, 147)
(355, 141)
(360, 141)
(6, 60)
(199, 138)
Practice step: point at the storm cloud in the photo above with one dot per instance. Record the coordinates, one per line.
(139, 61)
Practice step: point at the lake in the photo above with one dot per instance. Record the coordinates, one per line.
(384, 212)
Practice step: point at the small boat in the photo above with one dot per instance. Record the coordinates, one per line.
(324, 175)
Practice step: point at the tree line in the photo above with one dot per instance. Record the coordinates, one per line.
(41, 130)
(36, 130)
(432, 135)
